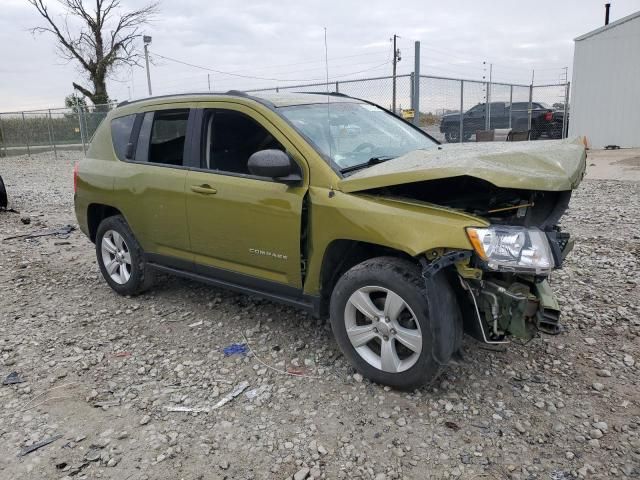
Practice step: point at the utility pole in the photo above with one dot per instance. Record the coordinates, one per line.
(416, 84)
(487, 96)
(396, 59)
(209, 81)
(147, 40)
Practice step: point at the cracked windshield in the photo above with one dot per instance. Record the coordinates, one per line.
(356, 135)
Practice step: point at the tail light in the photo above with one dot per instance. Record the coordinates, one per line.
(75, 177)
(548, 116)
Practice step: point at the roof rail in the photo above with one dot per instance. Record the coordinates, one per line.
(236, 93)
(331, 94)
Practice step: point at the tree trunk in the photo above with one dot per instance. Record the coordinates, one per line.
(100, 96)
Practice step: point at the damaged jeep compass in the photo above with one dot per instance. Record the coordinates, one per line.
(334, 205)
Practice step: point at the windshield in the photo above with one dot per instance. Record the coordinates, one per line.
(353, 134)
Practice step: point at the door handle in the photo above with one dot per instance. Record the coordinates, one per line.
(204, 189)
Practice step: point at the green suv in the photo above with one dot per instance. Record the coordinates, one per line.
(336, 206)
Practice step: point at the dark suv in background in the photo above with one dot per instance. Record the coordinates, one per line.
(544, 120)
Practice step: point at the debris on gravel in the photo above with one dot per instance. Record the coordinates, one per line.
(131, 383)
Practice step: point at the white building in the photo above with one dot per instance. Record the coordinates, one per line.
(605, 91)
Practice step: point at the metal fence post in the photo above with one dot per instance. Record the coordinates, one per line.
(530, 106)
(416, 85)
(337, 88)
(3, 140)
(52, 140)
(461, 116)
(412, 84)
(510, 103)
(26, 134)
(85, 114)
(79, 113)
(487, 108)
(565, 117)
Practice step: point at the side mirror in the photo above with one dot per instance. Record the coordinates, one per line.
(274, 164)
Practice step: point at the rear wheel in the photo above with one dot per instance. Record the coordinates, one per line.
(121, 258)
(536, 132)
(3, 195)
(390, 326)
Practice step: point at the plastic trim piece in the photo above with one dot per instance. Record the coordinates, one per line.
(238, 282)
(446, 260)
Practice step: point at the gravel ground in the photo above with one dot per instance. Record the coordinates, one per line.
(112, 376)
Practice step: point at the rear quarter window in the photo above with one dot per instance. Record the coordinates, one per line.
(121, 133)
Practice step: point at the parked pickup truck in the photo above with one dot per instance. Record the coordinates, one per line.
(336, 206)
(542, 120)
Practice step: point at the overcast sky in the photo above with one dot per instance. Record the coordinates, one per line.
(284, 40)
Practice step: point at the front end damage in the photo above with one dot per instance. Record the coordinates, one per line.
(503, 283)
(518, 192)
(512, 305)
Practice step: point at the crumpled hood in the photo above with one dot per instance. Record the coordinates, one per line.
(549, 165)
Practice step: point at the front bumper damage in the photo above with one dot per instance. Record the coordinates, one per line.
(499, 304)
(511, 306)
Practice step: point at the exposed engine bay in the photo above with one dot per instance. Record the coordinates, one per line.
(542, 209)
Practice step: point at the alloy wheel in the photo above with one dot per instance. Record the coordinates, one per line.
(116, 257)
(383, 329)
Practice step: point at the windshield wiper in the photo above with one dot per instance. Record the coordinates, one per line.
(368, 163)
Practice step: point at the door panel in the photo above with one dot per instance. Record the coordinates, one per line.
(247, 226)
(238, 222)
(153, 202)
(150, 187)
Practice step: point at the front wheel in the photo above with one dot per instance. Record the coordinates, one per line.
(121, 258)
(394, 329)
(452, 136)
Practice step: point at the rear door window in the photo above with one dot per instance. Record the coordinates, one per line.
(121, 133)
(162, 137)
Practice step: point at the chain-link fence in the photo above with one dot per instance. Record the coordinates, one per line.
(490, 111)
(49, 130)
(503, 111)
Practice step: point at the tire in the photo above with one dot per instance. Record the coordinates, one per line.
(120, 257)
(536, 133)
(555, 131)
(452, 136)
(3, 195)
(430, 312)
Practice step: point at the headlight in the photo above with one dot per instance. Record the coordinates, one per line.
(513, 249)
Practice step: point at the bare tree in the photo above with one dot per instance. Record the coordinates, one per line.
(104, 41)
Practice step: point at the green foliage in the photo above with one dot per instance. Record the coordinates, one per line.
(38, 129)
(73, 101)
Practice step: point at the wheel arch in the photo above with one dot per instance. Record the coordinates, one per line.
(96, 213)
(343, 254)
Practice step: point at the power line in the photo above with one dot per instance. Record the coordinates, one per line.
(320, 68)
(308, 62)
(253, 77)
